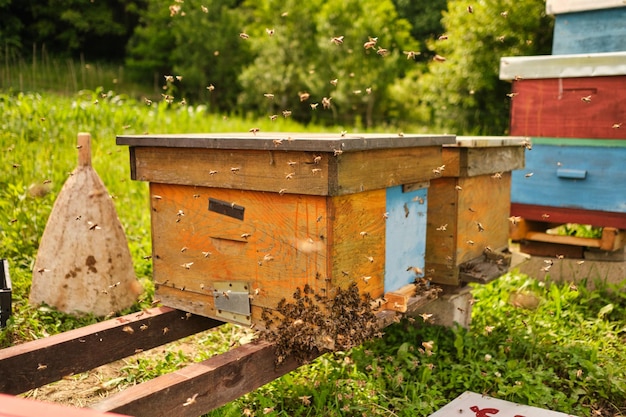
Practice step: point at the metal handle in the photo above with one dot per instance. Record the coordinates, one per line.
(576, 174)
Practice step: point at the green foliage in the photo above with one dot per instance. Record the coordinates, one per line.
(300, 57)
(464, 93)
(70, 26)
(580, 230)
(425, 19)
(566, 355)
(198, 40)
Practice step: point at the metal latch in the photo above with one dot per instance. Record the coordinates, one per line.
(232, 301)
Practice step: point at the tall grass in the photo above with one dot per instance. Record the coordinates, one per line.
(41, 72)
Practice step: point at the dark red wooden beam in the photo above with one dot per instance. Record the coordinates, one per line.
(203, 386)
(33, 364)
(569, 215)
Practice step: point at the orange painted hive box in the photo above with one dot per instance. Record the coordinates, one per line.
(240, 221)
(468, 210)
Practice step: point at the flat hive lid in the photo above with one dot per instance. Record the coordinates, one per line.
(563, 66)
(488, 141)
(315, 142)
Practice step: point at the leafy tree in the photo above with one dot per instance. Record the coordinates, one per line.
(464, 93)
(283, 37)
(196, 40)
(425, 19)
(319, 42)
(97, 29)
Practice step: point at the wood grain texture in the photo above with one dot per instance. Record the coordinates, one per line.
(213, 382)
(270, 170)
(275, 170)
(463, 222)
(469, 162)
(554, 107)
(357, 241)
(279, 246)
(376, 169)
(33, 364)
(289, 141)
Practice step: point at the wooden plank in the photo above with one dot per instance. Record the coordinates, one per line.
(470, 162)
(563, 240)
(356, 236)
(405, 242)
(22, 407)
(33, 364)
(463, 221)
(384, 168)
(270, 170)
(569, 215)
(288, 141)
(216, 381)
(551, 250)
(210, 383)
(612, 239)
(590, 31)
(555, 107)
(596, 179)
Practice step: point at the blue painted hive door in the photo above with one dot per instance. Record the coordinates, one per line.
(405, 236)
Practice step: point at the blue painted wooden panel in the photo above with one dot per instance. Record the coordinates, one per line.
(405, 235)
(584, 177)
(590, 31)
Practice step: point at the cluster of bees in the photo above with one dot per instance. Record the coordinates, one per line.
(311, 323)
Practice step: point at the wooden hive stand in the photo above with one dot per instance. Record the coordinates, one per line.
(534, 239)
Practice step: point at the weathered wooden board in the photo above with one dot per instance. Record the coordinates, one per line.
(466, 216)
(357, 235)
(478, 155)
(590, 31)
(577, 177)
(589, 107)
(33, 364)
(310, 173)
(469, 209)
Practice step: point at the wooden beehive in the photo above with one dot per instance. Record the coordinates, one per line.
(588, 26)
(469, 208)
(240, 221)
(574, 107)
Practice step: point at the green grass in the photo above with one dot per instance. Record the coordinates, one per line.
(568, 354)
